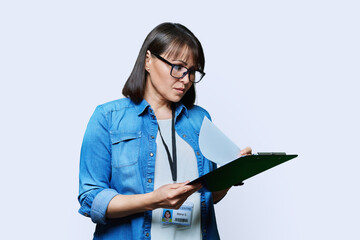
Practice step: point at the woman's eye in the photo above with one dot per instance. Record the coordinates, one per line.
(178, 67)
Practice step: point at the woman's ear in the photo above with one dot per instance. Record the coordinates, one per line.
(147, 61)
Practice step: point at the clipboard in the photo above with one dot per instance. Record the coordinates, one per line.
(240, 169)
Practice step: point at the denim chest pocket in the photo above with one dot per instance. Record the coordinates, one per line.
(125, 148)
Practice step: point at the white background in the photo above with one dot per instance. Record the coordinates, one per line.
(281, 76)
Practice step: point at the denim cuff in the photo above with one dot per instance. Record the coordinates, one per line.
(100, 204)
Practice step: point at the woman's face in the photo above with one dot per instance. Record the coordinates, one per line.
(160, 84)
(167, 215)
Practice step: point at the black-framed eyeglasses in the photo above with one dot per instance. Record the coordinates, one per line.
(178, 71)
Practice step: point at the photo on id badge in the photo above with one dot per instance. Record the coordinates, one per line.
(167, 216)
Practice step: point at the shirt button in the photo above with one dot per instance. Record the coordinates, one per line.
(152, 137)
(184, 136)
(149, 180)
(147, 234)
(151, 154)
(203, 204)
(86, 215)
(153, 117)
(197, 153)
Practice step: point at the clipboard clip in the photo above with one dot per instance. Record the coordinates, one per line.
(271, 153)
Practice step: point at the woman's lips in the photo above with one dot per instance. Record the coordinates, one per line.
(180, 90)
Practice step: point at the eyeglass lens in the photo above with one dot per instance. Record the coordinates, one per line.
(180, 71)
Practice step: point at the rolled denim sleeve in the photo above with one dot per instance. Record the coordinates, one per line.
(95, 168)
(99, 205)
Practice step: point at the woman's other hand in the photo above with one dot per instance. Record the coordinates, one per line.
(246, 151)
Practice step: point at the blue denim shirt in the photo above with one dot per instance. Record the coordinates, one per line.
(118, 157)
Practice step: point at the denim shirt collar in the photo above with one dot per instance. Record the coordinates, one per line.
(179, 108)
(141, 107)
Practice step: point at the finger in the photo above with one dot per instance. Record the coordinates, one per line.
(195, 188)
(177, 185)
(186, 190)
(246, 151)
(195, 185)
(192, 191)
(181, 194)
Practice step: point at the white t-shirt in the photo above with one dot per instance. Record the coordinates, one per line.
(186, 170)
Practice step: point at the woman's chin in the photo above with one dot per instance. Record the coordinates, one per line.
(176, 98)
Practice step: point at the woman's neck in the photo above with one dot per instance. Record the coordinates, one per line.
(162, 108)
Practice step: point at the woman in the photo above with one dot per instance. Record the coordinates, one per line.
(139, 152)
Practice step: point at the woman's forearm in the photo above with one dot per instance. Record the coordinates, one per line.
(217, 196)
(125, 205)
(167, 196)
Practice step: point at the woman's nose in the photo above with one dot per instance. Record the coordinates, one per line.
(185, 79)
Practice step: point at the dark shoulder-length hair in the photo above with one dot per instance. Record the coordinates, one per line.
(173, 39)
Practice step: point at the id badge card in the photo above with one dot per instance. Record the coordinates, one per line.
(181, 216)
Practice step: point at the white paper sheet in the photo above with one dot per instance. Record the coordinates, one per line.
(215, 145)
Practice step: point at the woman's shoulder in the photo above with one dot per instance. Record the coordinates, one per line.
(116, 105)
(118, 114)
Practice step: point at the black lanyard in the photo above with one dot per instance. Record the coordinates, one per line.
(172, 161)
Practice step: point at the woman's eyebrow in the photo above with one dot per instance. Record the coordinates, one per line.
(185, 63)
